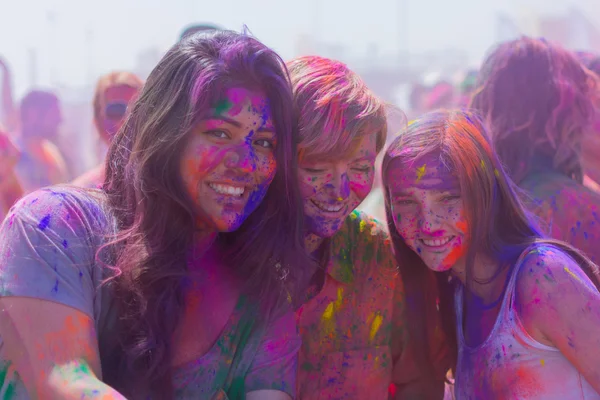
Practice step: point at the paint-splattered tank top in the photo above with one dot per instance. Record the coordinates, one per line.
(48, 246)
(510, 364)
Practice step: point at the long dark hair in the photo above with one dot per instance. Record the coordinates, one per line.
(154, 215)
(499, 226)
(538, 100)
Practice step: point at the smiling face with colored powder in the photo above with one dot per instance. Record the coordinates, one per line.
(427, 210)
(229, 161)
(342, 126)
(333, 188)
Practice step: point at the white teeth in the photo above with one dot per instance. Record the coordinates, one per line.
(437, 242)
(327, 207)
(227, 189)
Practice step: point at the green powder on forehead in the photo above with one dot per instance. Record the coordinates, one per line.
(223, 106)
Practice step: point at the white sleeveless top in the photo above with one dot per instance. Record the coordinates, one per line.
(510, 364)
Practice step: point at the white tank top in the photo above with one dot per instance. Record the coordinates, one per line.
(510, 364)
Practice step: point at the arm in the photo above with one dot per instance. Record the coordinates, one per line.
(272, 375)
(47, 294)
(558, 303)
(53, 347)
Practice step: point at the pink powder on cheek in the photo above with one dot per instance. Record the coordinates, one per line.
(361, 188)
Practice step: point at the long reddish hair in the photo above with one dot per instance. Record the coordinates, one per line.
(499, 225)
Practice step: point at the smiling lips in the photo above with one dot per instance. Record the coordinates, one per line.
(437, 242)
(228, 190)
(328, 207)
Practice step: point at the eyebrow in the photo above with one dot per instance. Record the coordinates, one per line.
(364, 158)
(400, 194)
(237, 124)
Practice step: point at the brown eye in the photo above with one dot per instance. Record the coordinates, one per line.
(267, 144)
(218, 134)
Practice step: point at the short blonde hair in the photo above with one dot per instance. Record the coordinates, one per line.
(334, 107)
(116, 78)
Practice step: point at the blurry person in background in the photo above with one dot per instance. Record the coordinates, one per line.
(416, 100)
(538, 100)
(8, 112)
(466, 87)
(114, 92)
(41, 163)
(590, 150)
(10, 188)
(195, 28)
(440, 96)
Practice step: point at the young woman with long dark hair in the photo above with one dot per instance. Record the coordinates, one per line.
(174, 280)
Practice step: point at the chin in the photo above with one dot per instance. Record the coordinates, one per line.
(327, 231)
(439, 268)
(228, 225)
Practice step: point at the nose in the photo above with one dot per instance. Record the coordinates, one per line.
(340, 186)
(430, 222)
(241, 158)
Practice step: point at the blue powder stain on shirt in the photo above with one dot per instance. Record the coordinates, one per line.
(65, 243)
(55, 288)
(44, 222)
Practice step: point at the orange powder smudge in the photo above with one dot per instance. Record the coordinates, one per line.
(527, 383)
(462, 225)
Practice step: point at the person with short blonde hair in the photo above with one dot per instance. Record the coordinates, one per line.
(352, 322)
(114, 92)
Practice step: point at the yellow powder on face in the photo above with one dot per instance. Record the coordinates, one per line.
(421, 172)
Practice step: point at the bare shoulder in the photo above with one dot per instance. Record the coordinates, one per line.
(547, 268)
(552, 290)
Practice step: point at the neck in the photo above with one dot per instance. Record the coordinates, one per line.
(203, 241)
(312, 243)
(484, 270)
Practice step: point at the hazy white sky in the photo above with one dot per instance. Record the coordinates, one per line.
(89, 38)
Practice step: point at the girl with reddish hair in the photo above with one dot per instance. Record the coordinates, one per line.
(520, 312)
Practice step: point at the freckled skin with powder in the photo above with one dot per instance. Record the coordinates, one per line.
(332, 189)
(228, 162)
(427, 209)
